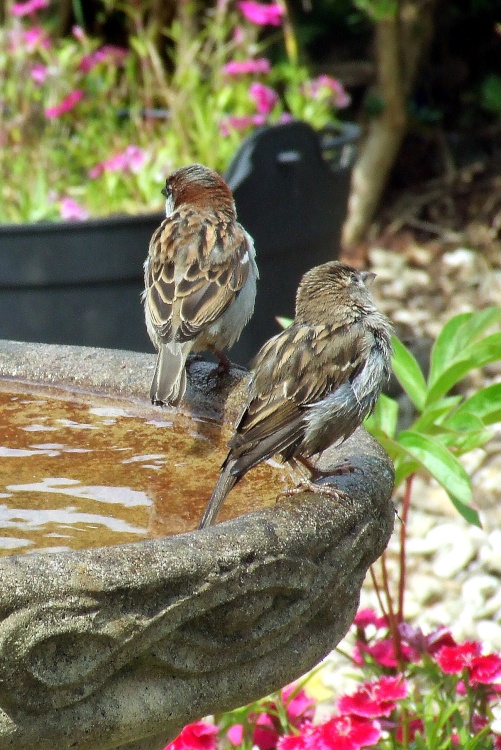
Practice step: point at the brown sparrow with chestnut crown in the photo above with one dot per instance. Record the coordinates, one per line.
(200, 277)
(314, 383)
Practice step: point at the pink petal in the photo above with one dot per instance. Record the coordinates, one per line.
(71, 211)
(65, 105)
(261, 14)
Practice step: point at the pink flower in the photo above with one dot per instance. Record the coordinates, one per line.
(65, 105)
(70, 210)
(242, 67)
(107, 52)
(28, 8)
(367, 616)
(374, 699)
(240, 123)
(196, 736)
(235, 734)
(325, 86)
(383, 652)
(348, 733)
(39, 73)
(339, 733)
(261, 14)
(299, 709)
(78, 33)
(35, 38)
(425, 644)
(263, 96)
(131, 159)
(484, 670)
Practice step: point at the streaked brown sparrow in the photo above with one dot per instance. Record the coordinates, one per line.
(200, 277)
(314, 383)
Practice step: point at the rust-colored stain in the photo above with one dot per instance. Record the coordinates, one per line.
(79, 470)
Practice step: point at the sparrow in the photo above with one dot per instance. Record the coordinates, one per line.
(200, 277)
(315, 382)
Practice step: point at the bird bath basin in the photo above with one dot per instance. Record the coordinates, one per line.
(130, 624)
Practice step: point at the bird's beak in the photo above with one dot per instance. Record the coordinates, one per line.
(368, 277)
(164, 192)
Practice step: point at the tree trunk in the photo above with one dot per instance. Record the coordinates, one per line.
(401, 43)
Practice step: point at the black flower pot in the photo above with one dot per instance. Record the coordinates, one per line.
(80, 282)
(75, 282)
(291, 187)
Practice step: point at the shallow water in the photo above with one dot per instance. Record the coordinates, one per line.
(79, 470)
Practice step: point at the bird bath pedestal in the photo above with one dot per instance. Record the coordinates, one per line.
(121, 646)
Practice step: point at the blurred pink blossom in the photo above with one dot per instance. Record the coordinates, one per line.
(31, 39)
(241, 67)
(39, 73)
(28, 8)
(238, 35)
(260, 13)
(131, 159)
(235, 122)
(264, 97)
(65, 105)
(78, 33)
(110, 52)
(324, 84)
(71, 211)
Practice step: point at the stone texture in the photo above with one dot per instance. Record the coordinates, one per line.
(122, 646)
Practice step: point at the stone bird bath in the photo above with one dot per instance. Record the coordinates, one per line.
(121, 646)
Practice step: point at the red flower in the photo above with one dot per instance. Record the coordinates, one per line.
(485, 670)
(339, 733)
(383, 652)
(65, 105)
(374, 699)
(261, 14)
(196, 736)
(347, 733)
(367, 616)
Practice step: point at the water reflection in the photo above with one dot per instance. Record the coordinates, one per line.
(111, 471)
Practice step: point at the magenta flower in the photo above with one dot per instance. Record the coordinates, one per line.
(425, 644)
(70, 210)
(374, 699)
(325, 86)
(39, 73)
(261, 14)
(485, 670)
(196, 736)
(263, 96)
(383, 652)
(367, 616)
(65, 105)
(28, 8)
(107, 52)
(35, 38)
(242, 67)
(235, 734)
(339, 733)
(235, 122)
(131, 159)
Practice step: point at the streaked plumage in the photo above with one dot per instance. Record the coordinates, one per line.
(314, 383)
(200, 277)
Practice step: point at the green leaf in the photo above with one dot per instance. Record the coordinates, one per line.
(439, 462)
(445, 348)
(404, 467)
(385, 415)
(481, 353)
(436, 413)
(485, 404)
(469, 514)
(409, 374)
(478, 323)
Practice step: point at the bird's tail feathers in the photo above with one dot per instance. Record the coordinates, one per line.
(169, 380)
(225, 483)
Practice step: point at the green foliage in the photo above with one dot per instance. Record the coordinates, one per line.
(491, 94)
(446, 426)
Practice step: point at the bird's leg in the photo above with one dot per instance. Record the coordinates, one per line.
(308, 482)
(315, 473)
(224, 363)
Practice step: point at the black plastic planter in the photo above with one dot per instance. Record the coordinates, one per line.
(75, 282)
(80, 282)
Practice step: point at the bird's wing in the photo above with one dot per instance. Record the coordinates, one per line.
(293, 370)
(202, 266)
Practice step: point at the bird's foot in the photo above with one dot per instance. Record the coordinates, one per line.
(309, 485)
(222, 368)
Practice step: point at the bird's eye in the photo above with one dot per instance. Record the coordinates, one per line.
(166, 191)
